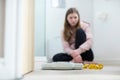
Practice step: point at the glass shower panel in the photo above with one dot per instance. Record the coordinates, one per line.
(40, 28)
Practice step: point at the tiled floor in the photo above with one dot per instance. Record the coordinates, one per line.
(109, 72)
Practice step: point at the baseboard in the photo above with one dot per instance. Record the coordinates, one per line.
(18, 78)
(109, 61)
(40, 59)
(1, 62)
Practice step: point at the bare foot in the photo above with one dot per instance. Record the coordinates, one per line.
(72, 60)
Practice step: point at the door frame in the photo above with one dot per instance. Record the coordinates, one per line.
(8, 62)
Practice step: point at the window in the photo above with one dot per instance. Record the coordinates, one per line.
(58, 3)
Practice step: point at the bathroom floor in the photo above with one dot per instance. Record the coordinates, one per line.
(109, 72)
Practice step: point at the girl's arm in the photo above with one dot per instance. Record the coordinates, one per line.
(66, 45)
(88, 43)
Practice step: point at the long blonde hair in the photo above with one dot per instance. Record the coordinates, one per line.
(67, 28)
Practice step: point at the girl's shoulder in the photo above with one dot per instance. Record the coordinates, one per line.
(84, 25)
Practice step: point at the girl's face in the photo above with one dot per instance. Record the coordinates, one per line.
(73, 19)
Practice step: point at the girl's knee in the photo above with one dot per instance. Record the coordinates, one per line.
(80, 31)
(56, 57)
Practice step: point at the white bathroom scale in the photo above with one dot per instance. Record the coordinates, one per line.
(62, 66)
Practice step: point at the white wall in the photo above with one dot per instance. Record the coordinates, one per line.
(107, 29)
(55, 16)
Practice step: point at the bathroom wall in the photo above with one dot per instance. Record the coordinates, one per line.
(106, 29)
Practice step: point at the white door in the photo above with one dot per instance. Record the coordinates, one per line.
(7, 62)
(18, 39)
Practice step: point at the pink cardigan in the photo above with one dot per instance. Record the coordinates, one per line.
(68, 48)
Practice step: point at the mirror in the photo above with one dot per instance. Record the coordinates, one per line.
(103, 16)
(2, 27)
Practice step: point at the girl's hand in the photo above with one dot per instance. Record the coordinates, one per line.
(74, 53)
(78, 59)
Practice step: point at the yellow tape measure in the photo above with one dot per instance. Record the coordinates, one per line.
(93, 66)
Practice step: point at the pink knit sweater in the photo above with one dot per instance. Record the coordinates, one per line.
(69, 46)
